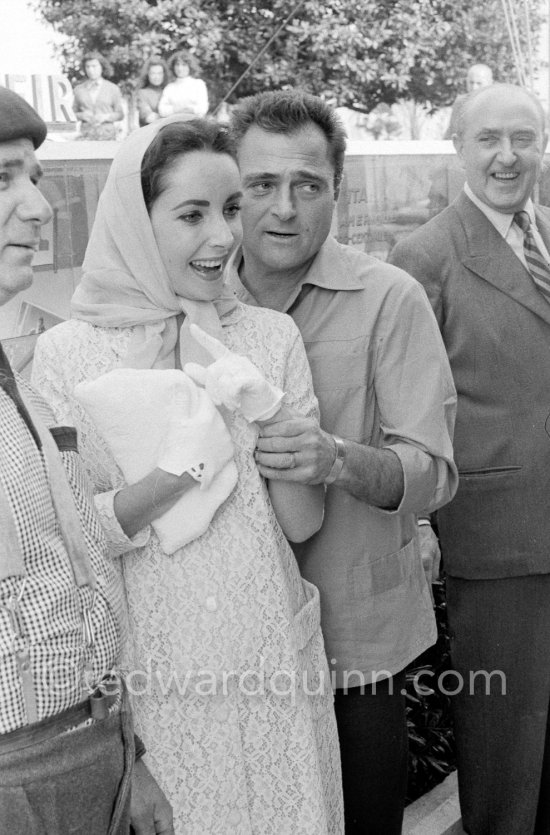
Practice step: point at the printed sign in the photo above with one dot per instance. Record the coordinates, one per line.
(50, 95)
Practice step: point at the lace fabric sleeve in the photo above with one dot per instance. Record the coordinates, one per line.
(298, 384)
(117, 540)
(298, 506)
(46, 379)
(50, 379)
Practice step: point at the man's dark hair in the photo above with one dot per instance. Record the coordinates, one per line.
(174, 141)
(288, 111)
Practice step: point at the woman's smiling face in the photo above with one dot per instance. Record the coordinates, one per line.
(196, 222)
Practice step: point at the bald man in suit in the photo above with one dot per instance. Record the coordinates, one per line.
(484, 264)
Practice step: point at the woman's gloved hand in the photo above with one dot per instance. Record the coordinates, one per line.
(200, 445)
(234, 381)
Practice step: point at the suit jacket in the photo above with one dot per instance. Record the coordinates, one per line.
(496, 328)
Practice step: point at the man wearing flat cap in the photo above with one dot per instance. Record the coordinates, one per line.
(67, 748)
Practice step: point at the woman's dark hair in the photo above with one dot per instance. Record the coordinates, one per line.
(185, 57)
(172, 142)
(153, 61)
(107, 70)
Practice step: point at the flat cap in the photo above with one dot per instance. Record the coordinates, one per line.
(18, 120)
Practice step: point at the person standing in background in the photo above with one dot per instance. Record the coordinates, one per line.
(97, 102)
(153, 79)
(187, 94)
(478, 76)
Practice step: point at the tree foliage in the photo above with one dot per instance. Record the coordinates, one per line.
(355, 53)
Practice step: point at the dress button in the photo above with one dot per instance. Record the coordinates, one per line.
(211, 603)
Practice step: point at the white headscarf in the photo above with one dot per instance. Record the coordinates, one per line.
(124, 280)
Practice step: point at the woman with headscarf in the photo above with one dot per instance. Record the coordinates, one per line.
(233, 698)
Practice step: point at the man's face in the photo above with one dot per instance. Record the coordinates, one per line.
(93, 69)
(23, 210)
(288, 198)
(478, 77)
(502, 147)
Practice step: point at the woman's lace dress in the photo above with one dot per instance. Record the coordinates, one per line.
(231, 686)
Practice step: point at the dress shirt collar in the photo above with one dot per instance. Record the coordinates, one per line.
(327, 270)
(500, 221)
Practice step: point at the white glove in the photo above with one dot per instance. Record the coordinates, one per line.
(200, 444)
(234, 381)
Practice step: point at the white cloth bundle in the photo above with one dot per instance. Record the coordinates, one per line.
(137, 411)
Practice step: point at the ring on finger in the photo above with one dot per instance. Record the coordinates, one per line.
(292, 461)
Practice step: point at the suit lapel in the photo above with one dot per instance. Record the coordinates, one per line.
(492, 259)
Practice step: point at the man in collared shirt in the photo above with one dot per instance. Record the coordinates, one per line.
(66, 757)
(484, 264)
(385, 391)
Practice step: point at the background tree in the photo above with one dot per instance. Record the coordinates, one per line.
(355, 53)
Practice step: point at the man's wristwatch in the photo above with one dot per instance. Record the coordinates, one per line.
(336, 468)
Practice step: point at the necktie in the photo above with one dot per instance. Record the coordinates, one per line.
(536, 262)
(7, 382)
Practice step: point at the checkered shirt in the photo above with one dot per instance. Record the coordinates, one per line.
(50, 605)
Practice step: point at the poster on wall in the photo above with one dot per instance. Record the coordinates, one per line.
(31, 322)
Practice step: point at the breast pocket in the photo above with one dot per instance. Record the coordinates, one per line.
(343, 378)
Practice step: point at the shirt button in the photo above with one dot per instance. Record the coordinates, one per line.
(211, 603)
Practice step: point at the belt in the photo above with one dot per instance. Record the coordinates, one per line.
(94, 708)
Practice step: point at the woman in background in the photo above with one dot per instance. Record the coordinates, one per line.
(235, 707)
(187, 94)
(153, 78)
(97, 102)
